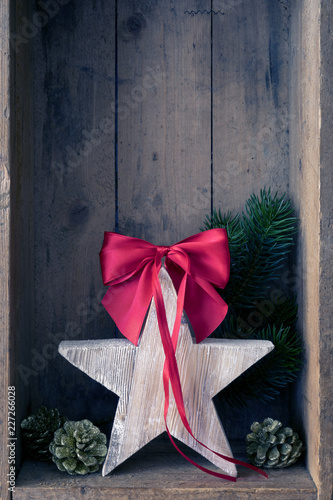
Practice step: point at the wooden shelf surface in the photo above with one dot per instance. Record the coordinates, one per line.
(159, 472)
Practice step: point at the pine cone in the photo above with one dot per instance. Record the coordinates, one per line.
(38, 430)
(271, 445)
(78, 447)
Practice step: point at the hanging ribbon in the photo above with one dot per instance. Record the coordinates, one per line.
(196, 265)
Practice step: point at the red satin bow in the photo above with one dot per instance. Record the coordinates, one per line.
(196, 265)
(200, 262)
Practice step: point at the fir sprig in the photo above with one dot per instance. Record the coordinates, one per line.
(260, 240)
(264, 380)
(236, 239)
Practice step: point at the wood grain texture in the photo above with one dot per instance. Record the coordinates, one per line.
(325, 256)
(250, 101)
(135, 375)
(164, 119)
(5, 227)
(251, 121)
(22, 206)
(159, 472)
(311, 185)
(74, 56)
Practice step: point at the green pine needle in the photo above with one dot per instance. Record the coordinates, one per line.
(260, 240)
(264, 380)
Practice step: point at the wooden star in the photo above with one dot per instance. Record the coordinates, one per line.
(135, 375)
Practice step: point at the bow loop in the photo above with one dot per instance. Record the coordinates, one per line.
(123, 256)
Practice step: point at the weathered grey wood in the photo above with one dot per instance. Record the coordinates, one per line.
(158, 471)
(5, 227)
(326, 254)
(22, 203)
(74, 68)
(135, 375)
(164, 119)
(311, 186)
(305, 144)
(250, 118)
(250, 114)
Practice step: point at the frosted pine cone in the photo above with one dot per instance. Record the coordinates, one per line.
(38, 431)
(78, 447)
(272, 446)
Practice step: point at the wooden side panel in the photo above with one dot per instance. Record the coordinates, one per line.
(305, 188)
(311, 183)
(164, 119)
(5, 190)
(22, 216)
(250, 100)
(326, 247)
(74, 88)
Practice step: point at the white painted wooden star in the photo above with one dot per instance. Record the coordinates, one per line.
(135, 375)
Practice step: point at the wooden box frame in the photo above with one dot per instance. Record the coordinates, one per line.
(311, 87)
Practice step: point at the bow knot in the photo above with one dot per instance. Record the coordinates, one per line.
(163, 250)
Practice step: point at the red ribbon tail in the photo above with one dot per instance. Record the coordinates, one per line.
(171, 374)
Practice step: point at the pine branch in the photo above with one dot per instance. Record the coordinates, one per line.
(259, 243)
(269, 228)
(284, 313)
(267, 377)
(236, 238)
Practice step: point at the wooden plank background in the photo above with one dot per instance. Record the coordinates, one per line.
(164, 142)
(250, 100)
(74, 88)
(146, 115)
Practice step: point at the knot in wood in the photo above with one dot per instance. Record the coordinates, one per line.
(78, 213)
(135, 24)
